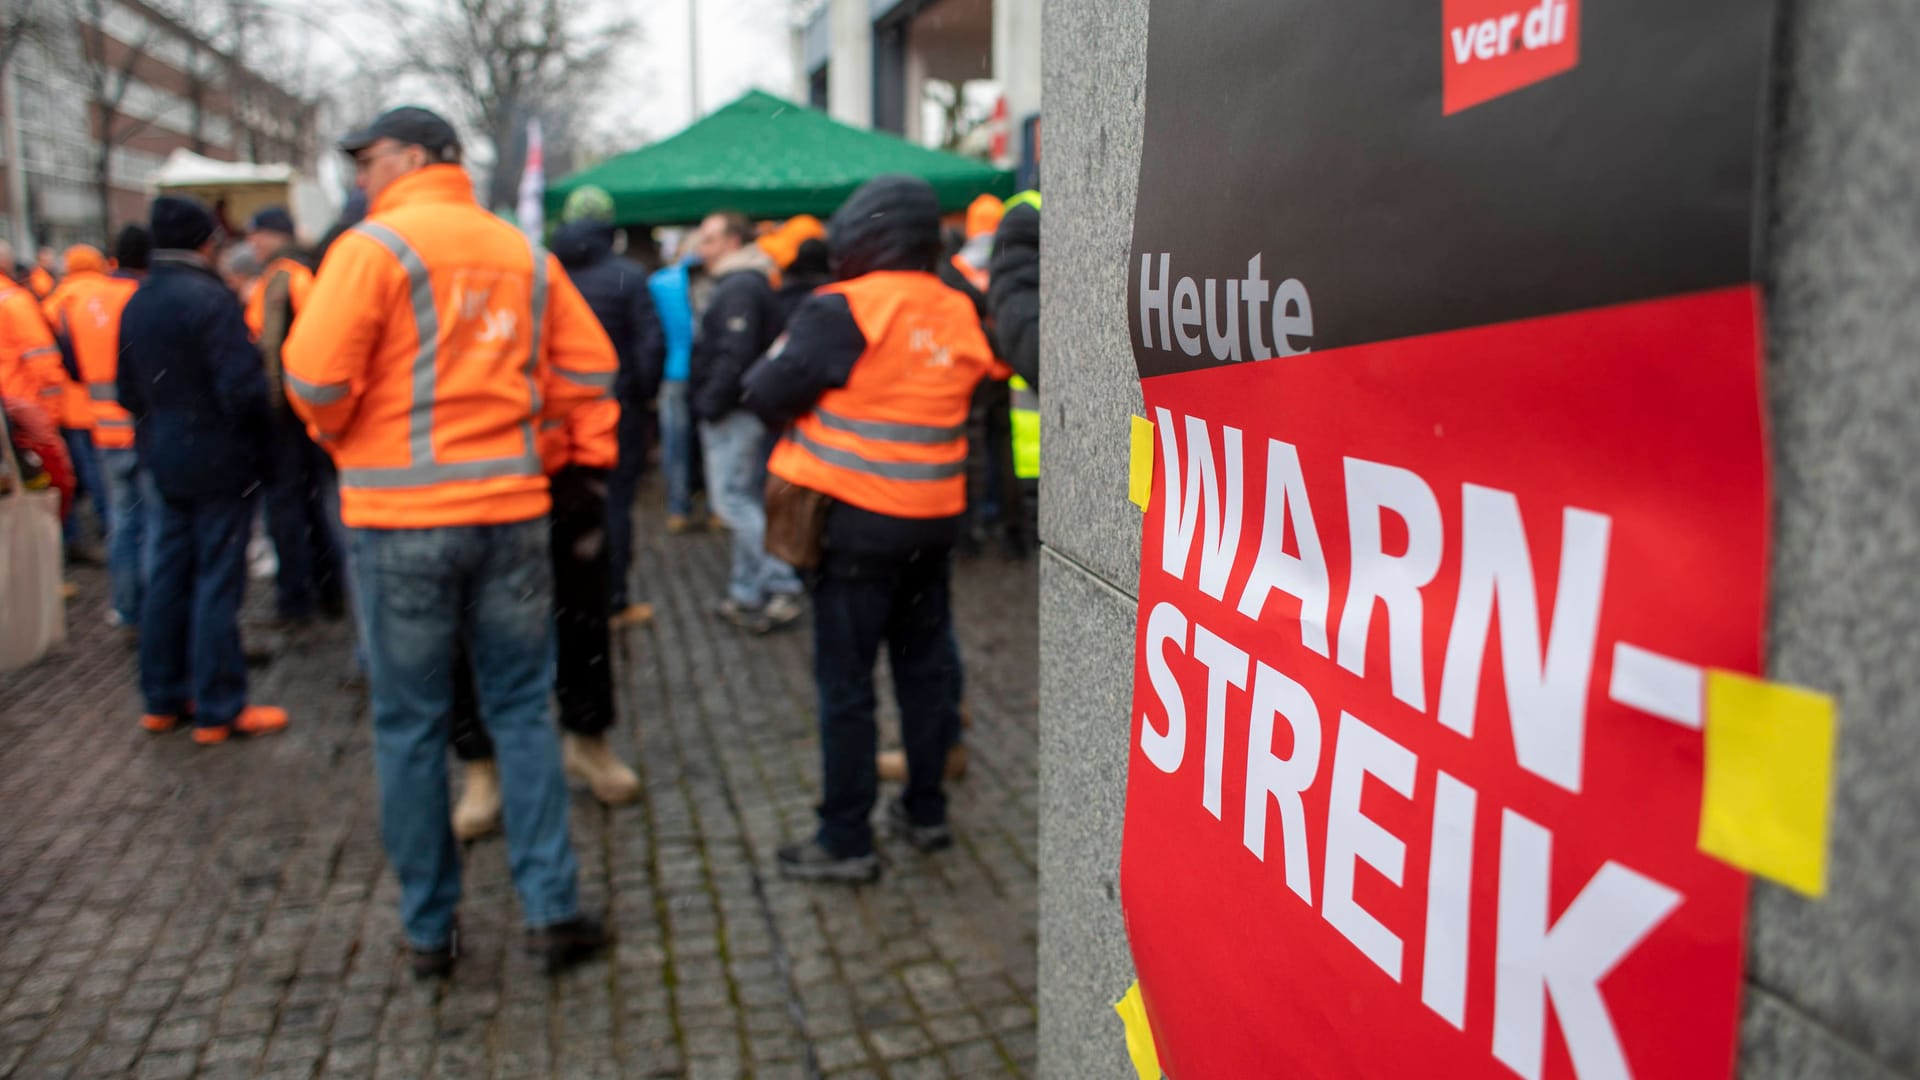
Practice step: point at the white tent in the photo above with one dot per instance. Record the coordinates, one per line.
(240, 188)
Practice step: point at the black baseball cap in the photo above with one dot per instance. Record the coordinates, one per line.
(408, 124)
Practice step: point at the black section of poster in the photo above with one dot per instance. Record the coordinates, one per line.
(1311, 133)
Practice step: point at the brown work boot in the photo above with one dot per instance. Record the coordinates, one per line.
(632, 615)
(590, 760)
(679, 524)
(478, 811)
(892, 764)
(159, 723)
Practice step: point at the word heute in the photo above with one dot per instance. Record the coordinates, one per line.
(1546, 686)
(1175, 308)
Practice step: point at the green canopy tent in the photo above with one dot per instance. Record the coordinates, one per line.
(769, 158)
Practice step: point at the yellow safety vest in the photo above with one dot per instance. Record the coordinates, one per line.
(1025, 414)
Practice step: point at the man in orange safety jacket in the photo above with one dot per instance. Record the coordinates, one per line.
(876, 374)
(77, 312)
(435, 343)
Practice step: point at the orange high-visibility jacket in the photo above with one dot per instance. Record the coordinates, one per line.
(86, 308)
(435, 342)
(589, 436)
(29, 357)
(41, 282)
(893, 440)
(299, 284)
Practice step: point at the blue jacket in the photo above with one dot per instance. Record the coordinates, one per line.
(674, 302)
(617, 290)
(192, 379)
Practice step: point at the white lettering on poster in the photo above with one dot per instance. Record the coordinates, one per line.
(1544, 682)
(1175, 311)
(1544, 24)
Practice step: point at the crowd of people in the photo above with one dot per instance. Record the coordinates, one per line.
(445, 424)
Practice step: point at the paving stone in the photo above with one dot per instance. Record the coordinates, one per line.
(172, 911)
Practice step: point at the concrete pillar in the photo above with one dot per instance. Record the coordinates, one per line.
(916, 85)
(1833, 985)
(850, 71)
(1017, 26)
(801, 85)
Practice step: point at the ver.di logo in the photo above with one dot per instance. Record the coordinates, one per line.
(1494, 47)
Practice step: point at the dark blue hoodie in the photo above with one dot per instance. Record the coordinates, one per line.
(616, 289)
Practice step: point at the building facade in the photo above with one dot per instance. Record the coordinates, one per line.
(868, 62)
(174, 89)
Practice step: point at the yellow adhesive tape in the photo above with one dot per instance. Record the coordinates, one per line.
(1140, 467)
(1132, 1009)
(1769, 779)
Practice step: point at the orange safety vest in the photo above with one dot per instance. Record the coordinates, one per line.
(86, 308)
(299, 284)
(437, 341)
(976, 278)
(41, 282)
(29, 357)
(893, 440)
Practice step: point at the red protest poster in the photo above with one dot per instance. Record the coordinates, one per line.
(1460, 485)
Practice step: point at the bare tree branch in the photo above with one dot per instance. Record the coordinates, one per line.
(504, 61)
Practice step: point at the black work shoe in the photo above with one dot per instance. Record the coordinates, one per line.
(564, 944)
(808, 861)
(925, 839)
(435, 963)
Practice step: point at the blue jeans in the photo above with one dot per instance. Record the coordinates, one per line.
(736, 449)
(309, 572)
(190, 618)
(86, 469)
(676, 447)
(421, 594)
(129, 553)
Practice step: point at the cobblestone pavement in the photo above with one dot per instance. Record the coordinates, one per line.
(171, 911)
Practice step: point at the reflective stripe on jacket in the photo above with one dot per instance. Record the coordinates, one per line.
(893, 439)
(435, 344)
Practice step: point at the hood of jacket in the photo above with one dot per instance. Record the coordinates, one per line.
(748, 258)
(889, 223)
(582, 243)
(1019, 233)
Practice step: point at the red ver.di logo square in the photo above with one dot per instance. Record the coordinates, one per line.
(1494, 47)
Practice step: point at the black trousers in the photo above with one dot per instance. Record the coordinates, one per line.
(636, 434)
(583, 672)
(859, 603)
(990, 475)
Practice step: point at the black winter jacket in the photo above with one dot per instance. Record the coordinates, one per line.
(1013, 294)
(616, 290)
(741, 320)
(193, 381)
(890, 223)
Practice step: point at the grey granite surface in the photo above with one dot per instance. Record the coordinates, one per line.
(1086, 632)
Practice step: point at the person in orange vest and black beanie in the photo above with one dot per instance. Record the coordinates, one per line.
(435, 346)
(875, 376)
(309, 574)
